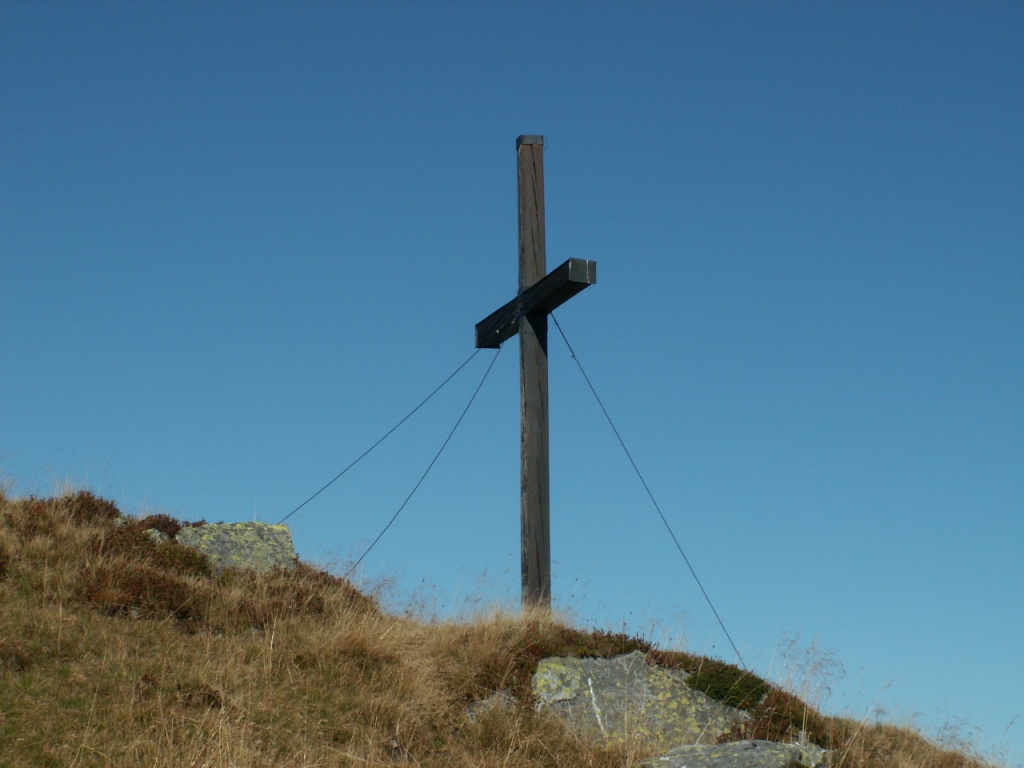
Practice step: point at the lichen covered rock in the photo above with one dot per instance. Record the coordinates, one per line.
(740, 754)
(626, 698)
(256, 546)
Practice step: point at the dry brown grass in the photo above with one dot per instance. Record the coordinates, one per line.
(116, 649)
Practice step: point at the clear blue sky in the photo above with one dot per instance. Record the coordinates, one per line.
(239, 241)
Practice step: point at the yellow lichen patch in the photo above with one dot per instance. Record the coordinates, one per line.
(556, 680)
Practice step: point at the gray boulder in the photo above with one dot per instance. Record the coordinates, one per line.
(257, 546)
(626, 698)
(740, 754)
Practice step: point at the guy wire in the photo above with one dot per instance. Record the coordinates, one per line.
(386, 436)
(429, 466)
(649, 494)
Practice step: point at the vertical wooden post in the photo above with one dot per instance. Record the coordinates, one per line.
(527, 316)
(533, 379)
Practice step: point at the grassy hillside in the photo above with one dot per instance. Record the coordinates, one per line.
(118, 649)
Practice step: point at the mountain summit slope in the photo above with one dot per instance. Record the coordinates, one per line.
(120, 646)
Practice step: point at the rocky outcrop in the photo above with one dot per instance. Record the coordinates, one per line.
(740, 754)
(257, 546)
(626, 698)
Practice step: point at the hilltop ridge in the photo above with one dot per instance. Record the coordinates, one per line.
(118, 647)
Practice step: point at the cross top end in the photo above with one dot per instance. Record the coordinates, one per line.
(529, 140)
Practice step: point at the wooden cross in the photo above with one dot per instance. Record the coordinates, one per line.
(527, 315)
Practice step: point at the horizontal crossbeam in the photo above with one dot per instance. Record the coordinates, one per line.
(546, 295)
